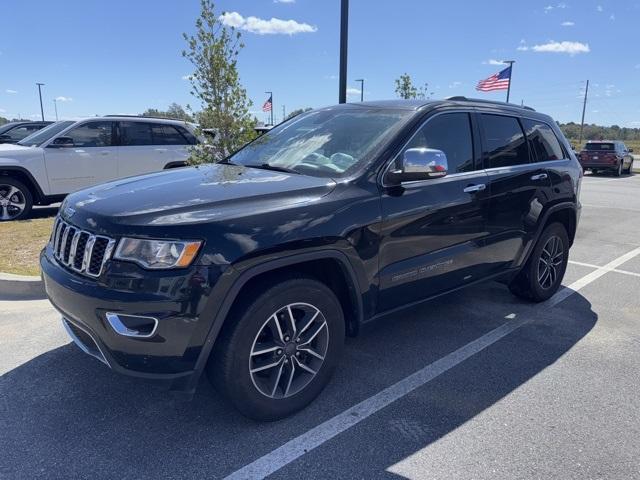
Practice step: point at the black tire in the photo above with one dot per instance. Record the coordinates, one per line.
(16, 199)
(630, 169)
(527, 283)
(230, 364)
(594, 171)
(618, 171)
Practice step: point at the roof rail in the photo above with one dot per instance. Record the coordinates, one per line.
(462, 98)
(147, 116)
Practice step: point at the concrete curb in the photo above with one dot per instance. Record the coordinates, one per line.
(21, 287)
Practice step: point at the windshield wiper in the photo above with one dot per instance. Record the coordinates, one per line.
(275, 168)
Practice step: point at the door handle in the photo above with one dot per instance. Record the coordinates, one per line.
(475, 188)
(160, 150)
(104, 153)
(539, 176)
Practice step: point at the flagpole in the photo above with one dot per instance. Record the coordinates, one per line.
(271, 98)
(510, 62)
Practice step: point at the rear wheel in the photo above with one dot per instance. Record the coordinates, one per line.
(594, 171)
(618, 171)
(279, 352)
(542, 275)
(15, 199)
(630, 169)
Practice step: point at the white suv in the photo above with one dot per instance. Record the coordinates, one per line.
(69, 155)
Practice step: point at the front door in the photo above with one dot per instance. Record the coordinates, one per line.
(433, 230)
(91, 160)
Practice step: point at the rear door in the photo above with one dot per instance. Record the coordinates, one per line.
(147, 147)
(92, 159)
(433, 230)
(519, 187)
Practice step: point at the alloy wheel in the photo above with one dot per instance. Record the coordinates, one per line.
(289, 350)
(550, 262)
(12, 202)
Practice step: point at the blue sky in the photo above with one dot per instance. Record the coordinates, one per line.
(123, 56)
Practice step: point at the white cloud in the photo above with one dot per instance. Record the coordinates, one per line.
(11, 92)
(612, 17)
(2, 110)
(492, 61)
(352, 92)
(64, 99)
(567, 24)
(599, 8)
(284, 1)
(455, 84)
(331, 77)
(522, 48)
(637, 67)
(261, 26)
(572, 48)
(548, 8)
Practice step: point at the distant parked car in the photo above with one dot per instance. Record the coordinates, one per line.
(611, 156)
(69, 155)
(13, 132)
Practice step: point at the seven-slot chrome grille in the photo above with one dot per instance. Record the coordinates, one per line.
(80, 250)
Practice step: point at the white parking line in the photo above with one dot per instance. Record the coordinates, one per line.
(617, 270)
(297, 447)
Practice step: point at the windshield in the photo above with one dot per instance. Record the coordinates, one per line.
(41, 136)
(600, 146)
(6, 127)
(325, 143)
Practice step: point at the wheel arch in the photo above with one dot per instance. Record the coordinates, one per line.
(24, 176)
(565, 213)
(309, 264)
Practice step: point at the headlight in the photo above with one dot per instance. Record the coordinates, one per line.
(157, 254)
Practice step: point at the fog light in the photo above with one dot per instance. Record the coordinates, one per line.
(132, 325)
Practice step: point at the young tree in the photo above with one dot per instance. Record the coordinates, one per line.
(174, 111)
(215, 82)
(297, 112)
(407, 90)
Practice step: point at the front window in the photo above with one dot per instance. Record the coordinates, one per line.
(92, 134)
(38, 138)
(324, 143)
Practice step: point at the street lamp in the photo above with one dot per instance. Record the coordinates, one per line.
(55, 106)
(40, 94)
(361, 80)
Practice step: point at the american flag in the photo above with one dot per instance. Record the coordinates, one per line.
(267, 105)
(497, 81)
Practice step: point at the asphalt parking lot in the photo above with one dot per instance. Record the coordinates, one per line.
(477, 384)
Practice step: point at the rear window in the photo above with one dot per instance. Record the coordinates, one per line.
(542, 141)
(600, 146)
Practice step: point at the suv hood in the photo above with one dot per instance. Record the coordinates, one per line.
(11, 149)
(192, 195)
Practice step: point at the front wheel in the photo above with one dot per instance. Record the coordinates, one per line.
(542, 275)
(15, 199)
(277, 354)
(630, 169)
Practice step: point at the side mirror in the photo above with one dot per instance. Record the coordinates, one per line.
(419, 164)
(62, 142)
(5, 138)
(631, 150)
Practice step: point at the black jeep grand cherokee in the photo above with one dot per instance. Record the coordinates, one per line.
(254, 269)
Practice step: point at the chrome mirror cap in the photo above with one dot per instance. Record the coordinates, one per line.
(420, 164)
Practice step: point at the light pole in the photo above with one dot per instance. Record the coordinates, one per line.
(55, 106)
(344, 31)
(361, 80)
(40, 94)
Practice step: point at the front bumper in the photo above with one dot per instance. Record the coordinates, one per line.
(175, 298)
